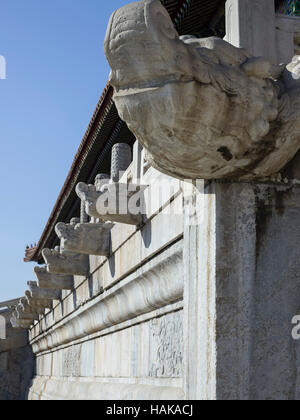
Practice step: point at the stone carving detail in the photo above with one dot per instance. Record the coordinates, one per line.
(39, 293)
(202, 108)
(66, 263)
(167, 345)
(71, 361)
(53, 281)
(87, 238)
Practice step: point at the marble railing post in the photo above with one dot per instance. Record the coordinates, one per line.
(84, 218)
(120, 160)
(242, 277)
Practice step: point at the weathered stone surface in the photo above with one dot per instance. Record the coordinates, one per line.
(53, 281)
(16, 372)
(67, 263)
(287, 37)
(202, 108)
(242, 275)
(16, 362)
(167, 346)
(143, 291)
(87, 238)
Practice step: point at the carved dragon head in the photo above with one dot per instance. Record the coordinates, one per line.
(201, 107)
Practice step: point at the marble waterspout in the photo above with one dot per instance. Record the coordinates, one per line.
(116, 202)
(65, 263)
(202, 108)
(24, 314)
(53, 281)
(112, 200)
(39, 293)
(37, 303)
(30, 316)
(86, 238)
(24, 307)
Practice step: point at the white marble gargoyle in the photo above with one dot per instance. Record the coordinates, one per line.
(85, 238)
(53, 281)
(201, 107)
(115, 202)
(58, 262)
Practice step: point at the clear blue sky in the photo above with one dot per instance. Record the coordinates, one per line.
(56, 71)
